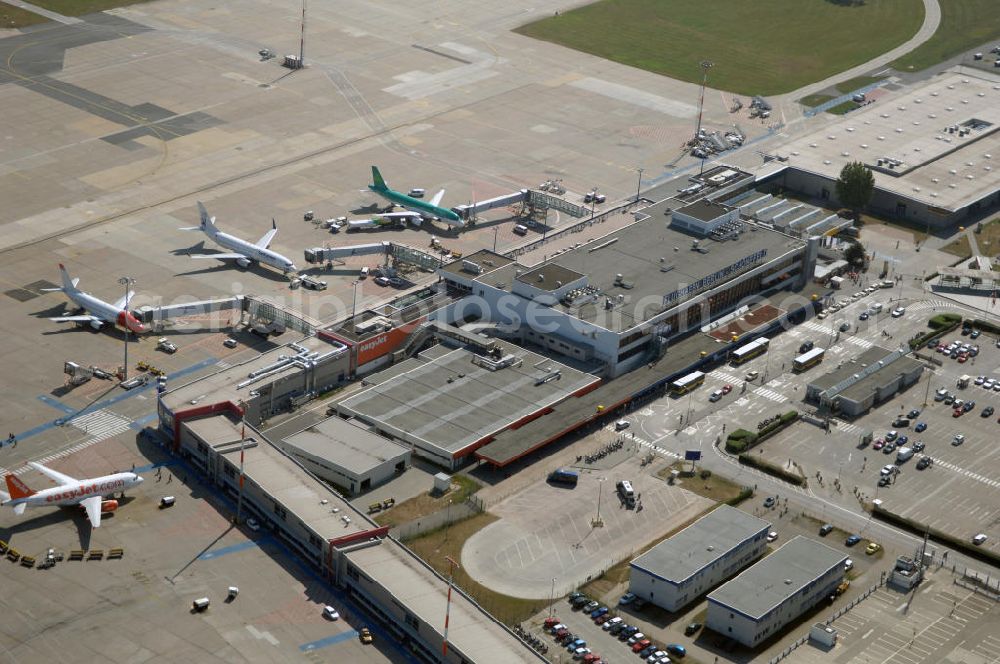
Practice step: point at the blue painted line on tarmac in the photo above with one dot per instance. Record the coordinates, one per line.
(149, 467)
(226, 550)
(328, 641)
(141, 423)
(41, 428)
(55, 403)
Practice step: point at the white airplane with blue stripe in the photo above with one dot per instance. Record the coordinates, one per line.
(243, 252)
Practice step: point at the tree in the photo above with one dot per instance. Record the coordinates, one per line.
(855, 254)
(855, 187)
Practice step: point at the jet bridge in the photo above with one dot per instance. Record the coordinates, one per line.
(470, 211)
(318, 255)
(156, 315)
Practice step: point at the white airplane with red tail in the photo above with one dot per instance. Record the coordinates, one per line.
(88, 494)
(97, 311)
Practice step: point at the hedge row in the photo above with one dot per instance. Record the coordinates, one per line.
(745, 492)
(919, 529)
(772, 469)
(741, 440)
(940, 325)
(986, 326)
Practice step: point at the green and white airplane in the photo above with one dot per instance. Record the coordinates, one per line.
(419, 209)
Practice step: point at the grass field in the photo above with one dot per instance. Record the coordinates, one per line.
(812, 101)
(81, 7)
(852, 84)
(426, 503)
(965, 24)
(959, 247)
(15, 17)
(762, 48)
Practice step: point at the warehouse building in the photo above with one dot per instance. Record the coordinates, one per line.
(621, 298)
(683, 567)
(347, 454)
(934, 152)
(406, 595)
(855, 386)
(759, 602)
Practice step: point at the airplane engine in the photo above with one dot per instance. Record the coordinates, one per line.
(243, 262)
(108, 506)
(96, 324)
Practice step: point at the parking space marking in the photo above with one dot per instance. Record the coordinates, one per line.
(966, 473)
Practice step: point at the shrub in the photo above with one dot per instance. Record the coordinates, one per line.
(944, 320)
(772, 469)
(790, 416)
(705, 474)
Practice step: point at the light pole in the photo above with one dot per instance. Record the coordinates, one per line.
(552, 598)
(126, 282)
(600, 490)
(354, 298)
(638, 184)
(705, 66)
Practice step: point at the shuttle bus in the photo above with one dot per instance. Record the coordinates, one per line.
(689, 382)
(808, 359)
(563, 476)
(749, 351)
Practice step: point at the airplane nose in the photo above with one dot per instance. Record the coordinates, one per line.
(139, 479)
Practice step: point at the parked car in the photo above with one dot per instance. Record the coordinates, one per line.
(626, 599)
(597, 613)
(635, 638)
(611, 622)
(958, 439)
(921, 426)
(852, 540)
(979, 539)
(902, 440)
(968, 405)
(590, 606)
(676, 649)
(769, 501)
(898, 311)
(330, 613)
(986, 411)
(771, 536)
(863, 316)
(873, 548)
(639, 646)
(891, 436)
(825, 529)
(692, 628)
(230, 343)
(878, 444)
(848, 565)
(365, 635)
(918, 446)
(974, 334)
(889, 448)
(924, 462)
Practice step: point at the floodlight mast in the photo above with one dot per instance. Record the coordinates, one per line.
(705, 66)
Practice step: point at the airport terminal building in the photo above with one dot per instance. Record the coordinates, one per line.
(619, 300)
(934, 151)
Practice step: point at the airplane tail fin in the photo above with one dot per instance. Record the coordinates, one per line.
(207, 223)
(68, 284)
(377, 180)
(17, 488)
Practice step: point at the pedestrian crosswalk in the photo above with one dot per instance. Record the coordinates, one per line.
(967, 473)
(101, 424)
(929, 304)
(768, 393)
(858, 341)
(725, 376)
(847, 427)
(816, 326)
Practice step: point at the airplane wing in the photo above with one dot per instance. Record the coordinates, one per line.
(20, 507)
(437, 198)
(120, 302)
(397, 215)
(221, 257)
(75, 319)
(93, 507)
(265, 241)
(52, 474)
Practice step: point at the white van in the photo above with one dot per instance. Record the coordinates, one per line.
(200, 604)
(625, 491)
(875, 307)
(520, 229)
(903, 454)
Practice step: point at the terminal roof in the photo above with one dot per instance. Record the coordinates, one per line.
(930, 164)
(347, 444)
(450, 402)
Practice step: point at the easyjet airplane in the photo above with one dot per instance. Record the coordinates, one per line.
(88, 493)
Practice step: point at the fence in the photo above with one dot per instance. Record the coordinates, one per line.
(978, 582)
(436, 520)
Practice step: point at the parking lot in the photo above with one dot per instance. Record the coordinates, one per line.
(547, 532)
(940, 622)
